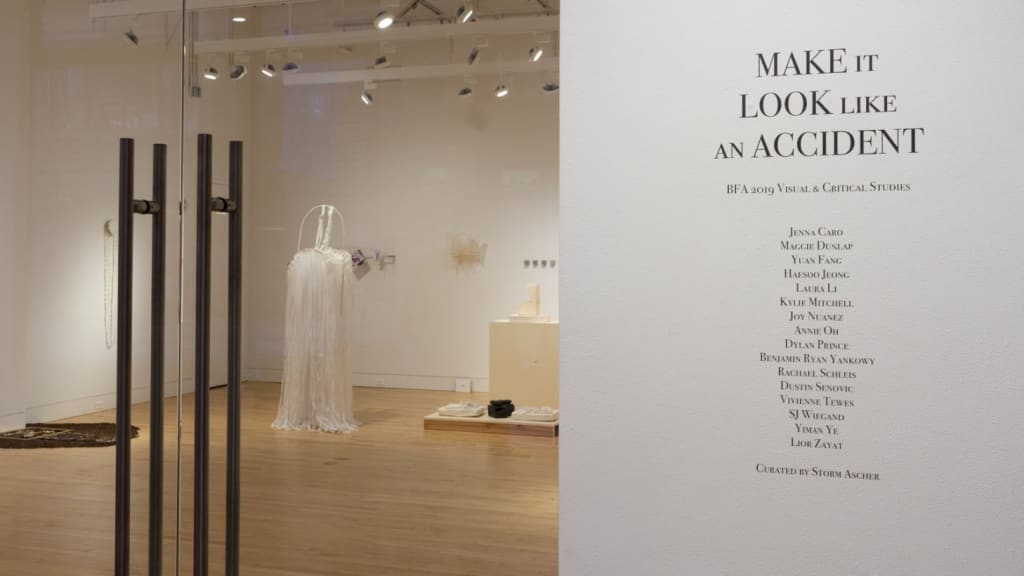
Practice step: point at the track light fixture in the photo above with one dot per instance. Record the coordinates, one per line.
(501, 91)
(131, 37)
(237, 72)
(465, 12)
(366, 97)
(550, 87)
(210, 73)
(535, 53)
(381, 62)
(473, 55)
(384, 20)
(291, 67)
(238, 19)
(466, 91)
(268, 70)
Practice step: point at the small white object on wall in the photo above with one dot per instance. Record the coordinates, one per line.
(109, 267)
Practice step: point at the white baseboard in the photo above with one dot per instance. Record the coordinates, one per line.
(98, 403)
(262, 375)
(15, 421)
(89, 404)
(372, 380)
(410, 382)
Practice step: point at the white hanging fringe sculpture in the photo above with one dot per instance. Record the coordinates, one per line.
(316, 392)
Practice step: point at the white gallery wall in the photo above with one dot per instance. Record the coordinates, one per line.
(77, 87)
(16, 43)
(807, 363)
(88, 89)
(411, 173)
(417, 170)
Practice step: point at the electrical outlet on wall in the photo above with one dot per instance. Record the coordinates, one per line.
(463, 385)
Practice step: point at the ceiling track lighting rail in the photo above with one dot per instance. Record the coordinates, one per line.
(122, 8)
(419, 72)
(386, 19)
(490, 27)
(416, 4)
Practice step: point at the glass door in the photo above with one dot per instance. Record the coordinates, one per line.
(87, 81)
(418, 143)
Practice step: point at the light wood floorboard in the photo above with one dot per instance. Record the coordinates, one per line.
(390, 499)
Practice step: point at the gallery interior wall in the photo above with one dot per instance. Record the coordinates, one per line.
(81, 88)
(676, 454)
(410, 174)
(15, 41)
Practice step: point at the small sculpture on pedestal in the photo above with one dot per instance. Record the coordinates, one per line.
(529, 311)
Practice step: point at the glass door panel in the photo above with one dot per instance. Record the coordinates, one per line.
(80, 76)
(437, 142)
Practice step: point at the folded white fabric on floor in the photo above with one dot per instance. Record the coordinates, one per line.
(542, 414)
(465, 409)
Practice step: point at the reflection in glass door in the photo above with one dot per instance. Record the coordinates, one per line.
(82, 75)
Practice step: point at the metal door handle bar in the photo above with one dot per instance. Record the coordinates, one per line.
(128, 206)
(206, 205)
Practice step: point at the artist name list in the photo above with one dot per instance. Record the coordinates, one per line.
(815, 366)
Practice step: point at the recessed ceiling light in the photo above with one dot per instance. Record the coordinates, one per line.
(238, 19)
(210, 73)
(501, 91)
(384, 20)
(268, 70)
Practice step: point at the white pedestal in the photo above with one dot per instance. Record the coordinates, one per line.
(524, 362)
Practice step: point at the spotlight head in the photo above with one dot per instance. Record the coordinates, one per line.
(366, 97)
(501, 91)
(268, 70)
(535, 53)
(550, 87)
(291, 67)
(464, 13)
(237, 72)
(381, 62)
(473, 55)
(131, 37)
(384, 20)
(238, 19)
(210, 73)
(466, 91)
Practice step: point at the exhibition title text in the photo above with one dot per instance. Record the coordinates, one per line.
(766, 106)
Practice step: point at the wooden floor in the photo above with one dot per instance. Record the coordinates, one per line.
(390, 499)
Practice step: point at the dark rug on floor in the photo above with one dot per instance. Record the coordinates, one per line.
(62, 436)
